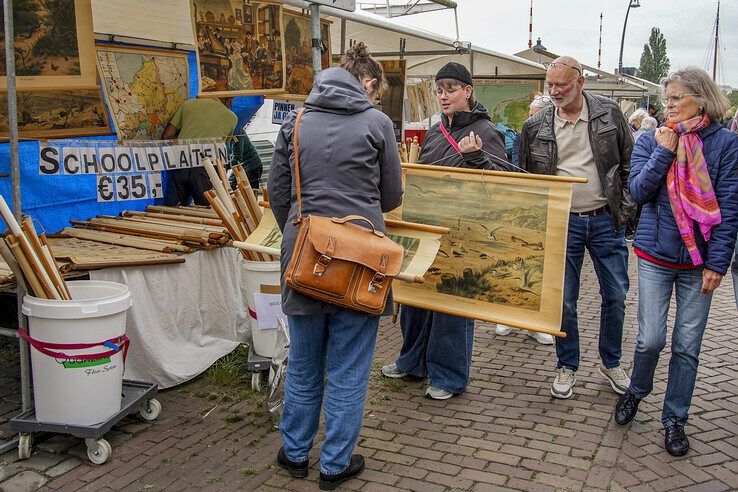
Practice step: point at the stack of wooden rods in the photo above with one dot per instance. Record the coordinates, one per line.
(36, 262)
(239, 212)
(126, 240)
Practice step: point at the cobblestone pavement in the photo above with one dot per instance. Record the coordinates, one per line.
(505, 432)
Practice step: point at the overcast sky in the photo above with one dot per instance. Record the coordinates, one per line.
(572, 27)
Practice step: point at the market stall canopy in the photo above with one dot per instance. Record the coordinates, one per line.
(167, 23)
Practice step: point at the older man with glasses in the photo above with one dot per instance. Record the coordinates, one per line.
(586, 135)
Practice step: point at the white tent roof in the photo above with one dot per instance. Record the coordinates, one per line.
(168, 22)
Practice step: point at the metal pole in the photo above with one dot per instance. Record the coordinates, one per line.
(622, 40)
(456, 22)
(343, 36)
(315, 22)
(25, 366)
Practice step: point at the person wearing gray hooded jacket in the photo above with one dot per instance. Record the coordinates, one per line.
(349, 164)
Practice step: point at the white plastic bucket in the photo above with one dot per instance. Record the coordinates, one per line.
(262, 278)
(77, 392)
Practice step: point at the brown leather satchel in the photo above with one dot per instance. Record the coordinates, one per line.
(340, 262)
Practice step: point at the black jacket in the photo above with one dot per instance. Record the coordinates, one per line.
(611, 142)
(439, 152)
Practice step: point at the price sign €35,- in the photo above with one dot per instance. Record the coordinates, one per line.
(124, 187)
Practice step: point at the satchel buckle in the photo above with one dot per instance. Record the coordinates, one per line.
(321, 265)
(376, 282)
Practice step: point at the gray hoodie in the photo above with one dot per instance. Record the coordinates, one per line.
(348, 165)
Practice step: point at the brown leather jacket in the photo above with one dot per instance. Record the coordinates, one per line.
(611, 143)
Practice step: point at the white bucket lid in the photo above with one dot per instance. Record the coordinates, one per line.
(261, 266)
(90, 299)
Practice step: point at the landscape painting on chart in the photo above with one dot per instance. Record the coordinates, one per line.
(57, 114)
(495, 250)
(299, 52)
(240, 46)
(53, 44)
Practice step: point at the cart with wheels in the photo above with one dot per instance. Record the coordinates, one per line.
(257, 364)
(137, 397)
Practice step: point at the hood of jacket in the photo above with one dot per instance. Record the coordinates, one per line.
(465, 118)
(336, 91)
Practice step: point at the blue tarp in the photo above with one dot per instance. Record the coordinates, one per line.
(55, 200)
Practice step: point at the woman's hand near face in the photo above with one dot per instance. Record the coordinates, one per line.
(472, 143)
(666, 137)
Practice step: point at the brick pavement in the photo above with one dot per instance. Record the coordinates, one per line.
(505, 432)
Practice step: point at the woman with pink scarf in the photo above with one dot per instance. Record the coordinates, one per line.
(684, 176)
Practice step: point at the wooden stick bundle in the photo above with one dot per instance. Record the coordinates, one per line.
(153, 231)
(126, 240)
(172, 217)
(204, 213)
(35, 260)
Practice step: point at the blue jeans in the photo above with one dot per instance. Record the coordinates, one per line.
(609, 253)
(339, 347)
(655, 285)
(438, 346)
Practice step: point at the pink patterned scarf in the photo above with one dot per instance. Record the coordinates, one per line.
(690, 188)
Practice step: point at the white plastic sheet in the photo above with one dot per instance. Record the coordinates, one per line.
(184, 316)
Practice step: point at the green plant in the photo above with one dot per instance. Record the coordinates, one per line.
(231, 369)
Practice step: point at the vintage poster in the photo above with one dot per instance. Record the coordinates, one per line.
(299, 53)
(507, 100)
(143, 88)
(393, 97)
(57, 114)
(240, 47)
(504, 259)
(54, 45)
(421, 100)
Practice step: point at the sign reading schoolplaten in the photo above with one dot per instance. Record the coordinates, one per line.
(127, 171)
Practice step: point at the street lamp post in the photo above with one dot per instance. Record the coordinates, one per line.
(631, 4)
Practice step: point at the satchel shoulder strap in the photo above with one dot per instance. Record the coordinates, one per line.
(298, 218)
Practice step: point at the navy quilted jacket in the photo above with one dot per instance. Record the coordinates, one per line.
(657, 233)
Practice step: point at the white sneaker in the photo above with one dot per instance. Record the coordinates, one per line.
(502, 329)
(562, 385)
(542, 338)
(437, 394)
(391, 371)
(616, 377)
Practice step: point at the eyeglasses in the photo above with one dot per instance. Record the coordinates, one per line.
(441, 92)
(557, 63)
(675, 99)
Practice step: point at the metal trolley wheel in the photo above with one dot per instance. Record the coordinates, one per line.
(98, 451)
(150, 409)
(256, 381)
(25, 445)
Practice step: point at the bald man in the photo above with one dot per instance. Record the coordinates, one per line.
(585, 135)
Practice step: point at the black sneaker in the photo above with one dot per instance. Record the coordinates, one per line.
(296, 470)
(330, 482)
(675, 440)
(626, 408)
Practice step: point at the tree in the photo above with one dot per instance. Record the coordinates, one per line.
(654, 62)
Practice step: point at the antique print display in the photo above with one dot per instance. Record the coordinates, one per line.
(299, 52)
(57, 114)
(54, 45)
(143, 88)
(507, 100)
(240, 47)
(505, 255)
(393, 97)
(421, 99)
